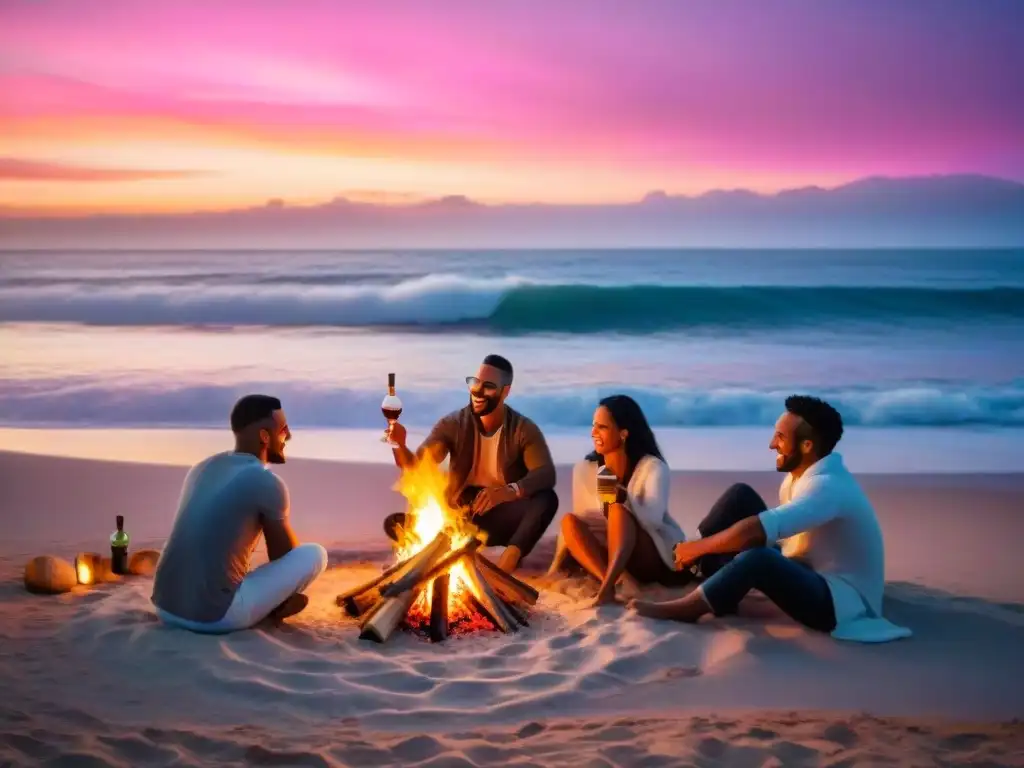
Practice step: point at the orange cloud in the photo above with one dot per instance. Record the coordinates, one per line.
(15, 169)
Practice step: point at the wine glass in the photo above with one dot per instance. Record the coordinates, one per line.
(392, 409)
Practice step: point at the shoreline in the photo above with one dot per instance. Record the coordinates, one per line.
(867, 450)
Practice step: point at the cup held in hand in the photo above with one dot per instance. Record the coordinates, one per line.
(607, 486)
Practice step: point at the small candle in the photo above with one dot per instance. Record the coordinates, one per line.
(85, 567)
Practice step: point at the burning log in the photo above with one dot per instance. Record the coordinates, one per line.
(428, 581)
(439, 609)
(358, 601)
(505, 584)
(490, 602)
(418, 570)
(441, 567)
(517, 613)
(442, 586)
(383, 620)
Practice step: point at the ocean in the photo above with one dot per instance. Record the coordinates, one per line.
(922, 351)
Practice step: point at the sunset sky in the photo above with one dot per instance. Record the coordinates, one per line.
(168, 106)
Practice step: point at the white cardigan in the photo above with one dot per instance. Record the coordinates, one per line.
(826, 519)
(647, 499)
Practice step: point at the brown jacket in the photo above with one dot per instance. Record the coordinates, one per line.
(523, 454)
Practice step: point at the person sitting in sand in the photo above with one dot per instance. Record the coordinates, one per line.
(829, 574)
(203, 582)
(500, 467)
(639, 532)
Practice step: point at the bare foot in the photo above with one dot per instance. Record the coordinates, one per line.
(509, 560)
(604, 597)
(677, 610)
(292, 605)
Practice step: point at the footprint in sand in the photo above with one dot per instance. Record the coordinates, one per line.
(530, 729)
(674, 673)
(573, 638)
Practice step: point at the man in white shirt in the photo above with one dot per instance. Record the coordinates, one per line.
(830, 573)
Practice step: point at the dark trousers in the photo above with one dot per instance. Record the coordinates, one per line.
(739, 502)
(793, 586)
(518, 523)
(646, 566)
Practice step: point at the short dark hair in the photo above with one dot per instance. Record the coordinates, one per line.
(501, 363)
(824, 424)
(252, 408)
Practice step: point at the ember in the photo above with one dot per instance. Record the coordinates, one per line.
(440, 585)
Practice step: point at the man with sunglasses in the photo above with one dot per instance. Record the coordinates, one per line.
(500, 467)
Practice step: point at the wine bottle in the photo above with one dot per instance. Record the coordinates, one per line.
(119, 548)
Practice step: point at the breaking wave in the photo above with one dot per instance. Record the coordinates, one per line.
(511, 304)
(91, 402)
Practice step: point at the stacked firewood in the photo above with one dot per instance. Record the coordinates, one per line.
(384, 602)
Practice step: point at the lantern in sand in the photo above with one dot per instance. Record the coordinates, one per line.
(86, 567)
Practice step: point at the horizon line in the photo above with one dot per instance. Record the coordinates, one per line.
(347, 198)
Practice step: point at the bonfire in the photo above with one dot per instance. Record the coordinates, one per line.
(439, 584)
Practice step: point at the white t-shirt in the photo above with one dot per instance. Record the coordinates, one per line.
(486, 472)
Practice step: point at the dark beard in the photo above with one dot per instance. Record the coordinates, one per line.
(491, 407)
(273, 457)
(790, 462)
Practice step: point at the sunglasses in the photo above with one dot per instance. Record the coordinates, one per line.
(487, 387)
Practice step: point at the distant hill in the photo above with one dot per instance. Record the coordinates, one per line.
(952, 210)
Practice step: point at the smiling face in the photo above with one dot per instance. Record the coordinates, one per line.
(487, 389)
(605, 433)
(790, 442)
(274, 434)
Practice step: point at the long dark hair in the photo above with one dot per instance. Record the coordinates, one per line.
(628, 415)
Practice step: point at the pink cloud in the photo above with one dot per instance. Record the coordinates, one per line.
(860, 87)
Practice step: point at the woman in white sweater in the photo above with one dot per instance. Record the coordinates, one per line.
(640, 533)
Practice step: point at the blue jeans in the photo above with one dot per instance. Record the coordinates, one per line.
(796, 588)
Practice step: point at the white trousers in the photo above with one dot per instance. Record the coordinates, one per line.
(261, 591)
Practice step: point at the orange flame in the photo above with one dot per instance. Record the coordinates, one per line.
(428, 514)
(83, 569)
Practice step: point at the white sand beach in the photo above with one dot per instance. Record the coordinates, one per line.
(92, 678)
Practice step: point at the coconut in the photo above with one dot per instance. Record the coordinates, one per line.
(143, 562)
(50, 575)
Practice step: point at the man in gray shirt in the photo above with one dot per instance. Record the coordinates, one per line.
(203, 582)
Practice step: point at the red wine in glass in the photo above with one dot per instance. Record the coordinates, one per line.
(391, 408)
